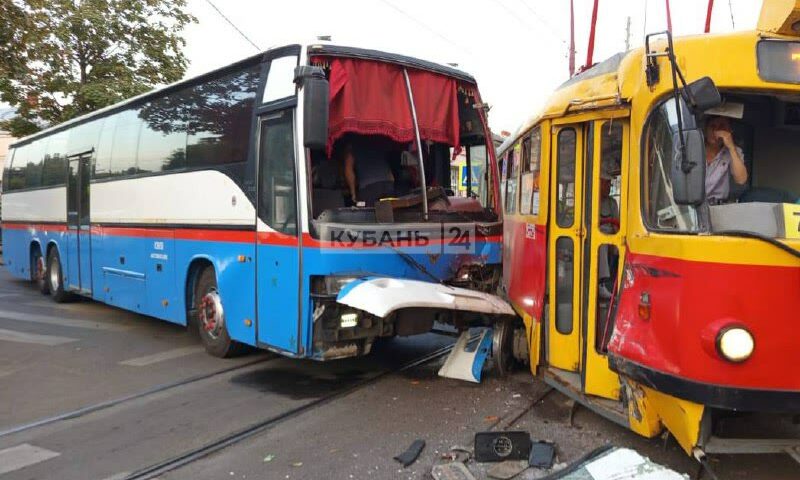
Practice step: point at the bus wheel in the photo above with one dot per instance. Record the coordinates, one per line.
(211, 318)
(503, 347)
(55, 277)
(39, 272)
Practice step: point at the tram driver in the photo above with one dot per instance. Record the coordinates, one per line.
(724, 160)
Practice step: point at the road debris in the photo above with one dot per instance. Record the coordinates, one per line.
(269, 458)
(412, 453)
(613, 463)
(502, 446)
(507, 470)
(542, 455)
(451, 471)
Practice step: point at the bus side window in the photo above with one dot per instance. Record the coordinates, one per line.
(54, 168)
(277, 195)
(280, 79)
(219, 114)
(125, 143)
(529, 204)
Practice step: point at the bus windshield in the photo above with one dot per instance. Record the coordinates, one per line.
(752, 181)
(385, 156)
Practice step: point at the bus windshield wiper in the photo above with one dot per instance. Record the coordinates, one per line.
(757, 236)
(418, 266)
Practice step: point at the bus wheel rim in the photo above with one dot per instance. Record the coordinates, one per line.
(54, 274)
(212, 316)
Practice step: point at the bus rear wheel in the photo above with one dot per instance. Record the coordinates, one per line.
(211, 318)
(55, 277)
(39, 272)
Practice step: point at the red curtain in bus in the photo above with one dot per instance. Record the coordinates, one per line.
(369, 98)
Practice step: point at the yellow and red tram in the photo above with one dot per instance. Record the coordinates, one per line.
(642, 296)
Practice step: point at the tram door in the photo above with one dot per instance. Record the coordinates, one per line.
(565, 246)
(278, 255)
(78, 255)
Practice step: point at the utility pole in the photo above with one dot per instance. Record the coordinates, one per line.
(628, 34)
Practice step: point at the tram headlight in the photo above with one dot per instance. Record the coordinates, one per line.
(735, 344)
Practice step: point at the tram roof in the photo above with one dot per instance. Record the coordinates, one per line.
(614, 81)
(326, 49)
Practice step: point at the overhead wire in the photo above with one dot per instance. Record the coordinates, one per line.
(233, 25)
(730, 9)
(425, 26)
(542, 20)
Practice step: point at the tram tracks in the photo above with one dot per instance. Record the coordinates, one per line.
(265, 424)
(83, 411)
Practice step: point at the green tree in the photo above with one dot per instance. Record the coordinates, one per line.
(63, 58)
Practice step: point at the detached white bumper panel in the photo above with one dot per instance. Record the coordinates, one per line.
(382, 296)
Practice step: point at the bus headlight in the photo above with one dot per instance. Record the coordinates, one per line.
(735, 344)
(329, 284)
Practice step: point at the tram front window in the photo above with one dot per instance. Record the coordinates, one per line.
(764, 132)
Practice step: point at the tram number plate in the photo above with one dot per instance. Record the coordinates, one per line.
(791, 220)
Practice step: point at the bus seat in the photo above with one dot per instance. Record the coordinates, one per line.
(327, 192)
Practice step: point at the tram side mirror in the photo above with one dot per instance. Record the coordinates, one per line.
(688, 173)
(315, 105)
(701, 95)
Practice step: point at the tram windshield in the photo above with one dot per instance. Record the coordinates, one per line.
(374, 160)
(752, 175)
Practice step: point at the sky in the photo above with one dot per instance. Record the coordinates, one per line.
(516, 49)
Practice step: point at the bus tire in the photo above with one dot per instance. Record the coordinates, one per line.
(55, 277)
(39, 271)
(211, 318)
(502, 347)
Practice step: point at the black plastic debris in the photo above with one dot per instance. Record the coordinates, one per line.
(542, 455)
(412, 453)
(502, 446)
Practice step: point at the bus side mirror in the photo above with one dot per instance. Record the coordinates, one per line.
(701, 95)
(688, 173)
(315, 105)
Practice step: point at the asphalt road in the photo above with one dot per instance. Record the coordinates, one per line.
(58, 358)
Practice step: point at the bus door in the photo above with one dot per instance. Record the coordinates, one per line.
(79, 259)
(605, 188)
(565, 247)
(278, 251)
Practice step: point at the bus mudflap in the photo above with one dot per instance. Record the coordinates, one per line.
(382, 296)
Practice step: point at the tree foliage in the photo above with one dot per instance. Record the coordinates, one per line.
(63, 58)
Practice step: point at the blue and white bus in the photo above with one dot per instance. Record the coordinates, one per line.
(228, 201)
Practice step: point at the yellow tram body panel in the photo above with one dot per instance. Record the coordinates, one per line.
(611, 107)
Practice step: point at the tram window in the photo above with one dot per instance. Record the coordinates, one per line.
(607, 268)
(280, 79)
(126, 138)
(512, 169)
(660, 211)
(529, 203)
(565, 202)
(219, 113)
(54, 169)
(610, 176)
(162, 141)
(565, 267)
(277, 196)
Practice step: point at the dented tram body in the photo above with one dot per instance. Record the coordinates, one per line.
(657, 310)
